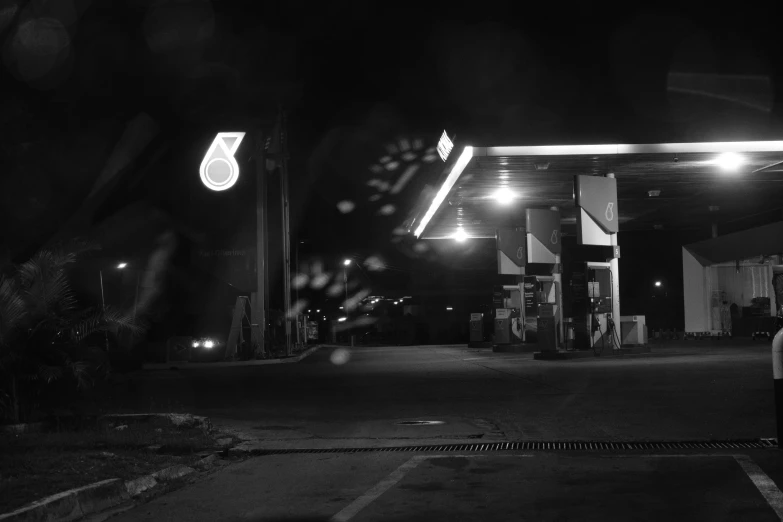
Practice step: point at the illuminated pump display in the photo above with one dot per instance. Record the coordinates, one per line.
(219, 169)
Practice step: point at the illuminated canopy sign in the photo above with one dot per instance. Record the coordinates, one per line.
(219, 170)
(444, 146)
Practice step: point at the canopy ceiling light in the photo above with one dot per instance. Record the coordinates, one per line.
(504, 196)
(729, 161)
(460, 235)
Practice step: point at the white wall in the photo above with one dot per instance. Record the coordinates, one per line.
(696, 300)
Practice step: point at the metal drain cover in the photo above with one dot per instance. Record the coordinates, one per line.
(418, 423)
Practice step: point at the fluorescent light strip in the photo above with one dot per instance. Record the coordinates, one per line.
(649, 148)
(451, 179)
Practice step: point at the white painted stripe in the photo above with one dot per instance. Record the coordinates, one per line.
(763, 483)
(352, 509)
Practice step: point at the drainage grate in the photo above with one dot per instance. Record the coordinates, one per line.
(548, 446)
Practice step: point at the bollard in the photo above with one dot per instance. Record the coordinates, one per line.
(777, 372)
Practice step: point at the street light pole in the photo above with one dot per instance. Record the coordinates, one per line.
(347, 308)
(103, 307)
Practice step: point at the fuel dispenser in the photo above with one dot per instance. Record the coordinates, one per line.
(508, 324)
(591, 306)
(542, 312)
(476, 328)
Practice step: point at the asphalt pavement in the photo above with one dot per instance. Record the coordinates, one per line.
(401, 396)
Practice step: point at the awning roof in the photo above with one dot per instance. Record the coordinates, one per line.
(686, 174)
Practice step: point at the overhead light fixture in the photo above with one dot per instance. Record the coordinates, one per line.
(342, 319)
(658, 283)
(503, 195)
(449, 308)
(542, 166)
(729, 161)
(460, 235)
(122, 265)
(654, 193)
(444, 146)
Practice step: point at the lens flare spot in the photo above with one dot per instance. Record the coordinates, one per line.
(383, 186)
(376, 169)
(420, 247)
(429, 158)
(392, 165)
(300, 281)
(385, 159)
(399, 231)
(375, 197)
(374, 264)
(346, 207)
(297, 308)
(335, 290)
(387, 210)
(340, 356)
(319, 281)
(409, 156)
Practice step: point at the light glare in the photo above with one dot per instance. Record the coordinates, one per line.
(730, 161)
(504, 196)
(460, 236)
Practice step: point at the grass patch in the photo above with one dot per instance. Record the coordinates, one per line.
(36, 465)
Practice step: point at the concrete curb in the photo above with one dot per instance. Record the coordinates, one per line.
(180, 420)
(94, 498)
(230, 364)
(72, 504)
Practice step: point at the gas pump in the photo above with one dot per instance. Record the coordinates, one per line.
(476, 328)
(591, 297)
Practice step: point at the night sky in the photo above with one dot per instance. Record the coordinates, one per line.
(353, 78)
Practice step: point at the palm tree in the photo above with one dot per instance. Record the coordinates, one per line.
(44, 335)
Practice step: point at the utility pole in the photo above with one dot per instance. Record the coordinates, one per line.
(286, 230)
(258, 301)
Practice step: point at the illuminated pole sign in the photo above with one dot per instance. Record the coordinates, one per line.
(219, 170)
(444, 146)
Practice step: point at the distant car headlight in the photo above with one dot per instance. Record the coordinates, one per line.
(206, 343)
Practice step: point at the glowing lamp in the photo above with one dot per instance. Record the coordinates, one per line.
(504, 196)
(730, 161)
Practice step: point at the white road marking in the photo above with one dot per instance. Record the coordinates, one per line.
(761, 480)
(763, 483)
(352, 509)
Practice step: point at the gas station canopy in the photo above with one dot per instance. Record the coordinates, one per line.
(672, 186)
